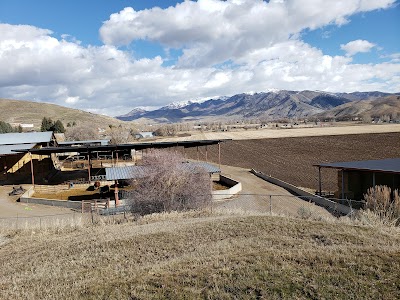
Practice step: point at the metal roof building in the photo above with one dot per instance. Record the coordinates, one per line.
(9, 142)
(86, 142)
(135, 172)
(356, 177)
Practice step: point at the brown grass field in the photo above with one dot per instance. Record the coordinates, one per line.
(202, 256)
(292, 159)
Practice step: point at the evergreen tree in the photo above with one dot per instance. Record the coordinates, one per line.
(47, 124)
(58, 127)
(5, 127)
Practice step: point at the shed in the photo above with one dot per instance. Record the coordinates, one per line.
(356, 177)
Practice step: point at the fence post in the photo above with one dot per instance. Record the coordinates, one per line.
(91, 212)
(270, 204)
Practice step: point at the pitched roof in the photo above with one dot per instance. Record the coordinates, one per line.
(25, 138)
(390, 165)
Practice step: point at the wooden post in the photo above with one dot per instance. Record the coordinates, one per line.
(342, 183)
(319, 181)
(89, 167)
(116, 157)
(219, 155)
(117, 202)
(33, 176)
(198, 158)
(206, 154)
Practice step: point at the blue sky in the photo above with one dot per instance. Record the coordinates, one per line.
(111, 56)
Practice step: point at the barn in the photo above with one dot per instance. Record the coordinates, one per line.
(15, 166)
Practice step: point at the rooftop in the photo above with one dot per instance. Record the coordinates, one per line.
(25, 138)
(119, 147)
(134, 172)
(390, 165)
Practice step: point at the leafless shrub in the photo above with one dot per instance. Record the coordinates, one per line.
(120, 135)
(384, 204)
(81, 133)
(169, 187)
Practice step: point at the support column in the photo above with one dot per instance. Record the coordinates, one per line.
(206, 154)
(342, 184)
(219, 155)
(33, 176)
(373, 180)
(117, 201)
(198, 158)
(320, 181)
(88, 158)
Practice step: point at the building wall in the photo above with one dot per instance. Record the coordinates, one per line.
(357, 183)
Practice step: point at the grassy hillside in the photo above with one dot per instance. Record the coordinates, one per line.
(375, 108)
(16, 111)
(203, 257)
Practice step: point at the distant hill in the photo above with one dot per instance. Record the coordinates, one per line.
(269, 105)
(388, 105)
(28, 112)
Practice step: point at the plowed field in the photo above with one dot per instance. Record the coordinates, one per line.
(292, 159)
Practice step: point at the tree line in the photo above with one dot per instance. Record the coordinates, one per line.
(7, 128)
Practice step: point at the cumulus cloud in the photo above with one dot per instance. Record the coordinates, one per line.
(357, 46)
(213, 31)
(228, 47)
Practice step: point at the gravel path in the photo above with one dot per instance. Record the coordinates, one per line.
(255, 196)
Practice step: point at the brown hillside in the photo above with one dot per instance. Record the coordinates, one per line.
(375, 108)
(28, 112)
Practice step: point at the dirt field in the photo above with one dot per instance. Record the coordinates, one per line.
(290, 132)
(292, 159)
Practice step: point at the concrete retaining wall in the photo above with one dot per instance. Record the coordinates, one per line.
(329, 204)
(27, 198)
(236, 187)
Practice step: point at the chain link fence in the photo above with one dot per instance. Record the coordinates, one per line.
(286, 205)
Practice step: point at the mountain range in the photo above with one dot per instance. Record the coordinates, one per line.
(271, 105)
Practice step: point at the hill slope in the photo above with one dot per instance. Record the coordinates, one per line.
(209, 257)
(28, 112)
(388, 105)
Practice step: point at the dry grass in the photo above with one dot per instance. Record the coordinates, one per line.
(199, 255)
(16, 111)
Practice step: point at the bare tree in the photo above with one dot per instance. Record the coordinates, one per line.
(120, 135)
(168, 185)
(80, 133)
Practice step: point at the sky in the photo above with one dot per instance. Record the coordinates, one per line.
(110, 56)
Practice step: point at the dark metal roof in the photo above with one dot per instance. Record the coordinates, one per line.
(25, 138)
(69, 143)
(391, 165)
(121, 147)
(135, 172)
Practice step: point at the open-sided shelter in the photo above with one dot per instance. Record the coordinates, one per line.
(356, 177)
(16, 165)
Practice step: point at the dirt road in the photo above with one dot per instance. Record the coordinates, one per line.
(255, 196)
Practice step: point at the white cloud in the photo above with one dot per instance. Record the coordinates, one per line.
(228, 47)
(213, 31)
(357, 46)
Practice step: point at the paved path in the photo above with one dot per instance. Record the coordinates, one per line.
(255, 196)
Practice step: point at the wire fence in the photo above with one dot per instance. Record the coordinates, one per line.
(288, 205)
